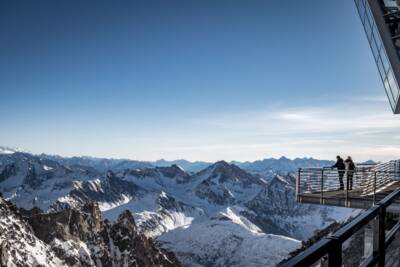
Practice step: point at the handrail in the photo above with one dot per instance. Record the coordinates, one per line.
(310, 255)
(358, 169)
(333, 245)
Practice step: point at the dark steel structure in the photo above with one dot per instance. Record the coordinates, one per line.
(373, 186)
(381, 21)
(328, 251)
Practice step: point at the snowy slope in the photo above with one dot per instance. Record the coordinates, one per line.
(227, 240)
(156, 214)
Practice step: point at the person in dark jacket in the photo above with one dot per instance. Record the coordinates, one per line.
(350, 167)
(341, 170)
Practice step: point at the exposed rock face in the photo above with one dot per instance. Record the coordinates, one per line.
(279, 194)
(75, 238)
(18, 244)
(109, 189)
(8, 171)
(137, 249)
(214, 193)
(276, 203)
(171, 172)
(82, 238)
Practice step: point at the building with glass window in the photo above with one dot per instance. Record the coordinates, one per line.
(381, 21)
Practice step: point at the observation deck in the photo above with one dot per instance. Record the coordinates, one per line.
(363, 187)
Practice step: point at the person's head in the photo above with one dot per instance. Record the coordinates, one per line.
(337, 157)
(349, 158)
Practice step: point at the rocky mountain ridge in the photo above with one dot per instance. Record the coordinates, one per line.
(264, 166)
(75, 238)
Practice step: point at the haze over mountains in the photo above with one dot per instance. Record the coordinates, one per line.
(282, 164)
(225, 214)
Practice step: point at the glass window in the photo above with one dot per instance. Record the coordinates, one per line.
(381, 69)
(376, 35)
(374, 48)
(393, 85)
(361, 11)
(368, 29)
(389, 94)
(369, 14)
(385, 61)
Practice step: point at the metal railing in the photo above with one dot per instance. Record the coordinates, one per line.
(366, 181)
(329, 251)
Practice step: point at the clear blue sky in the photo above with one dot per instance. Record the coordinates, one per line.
(201, 80)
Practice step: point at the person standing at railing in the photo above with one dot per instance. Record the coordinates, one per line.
(350, 168)
(339, 165)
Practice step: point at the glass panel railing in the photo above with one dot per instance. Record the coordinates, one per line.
(370, 238)
(358, 247)
(392, 258)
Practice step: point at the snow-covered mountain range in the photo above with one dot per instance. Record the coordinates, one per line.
(10, 150)
(222, 215)
(265, 166)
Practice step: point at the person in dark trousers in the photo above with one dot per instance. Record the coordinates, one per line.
(350, 167)
(339, 165)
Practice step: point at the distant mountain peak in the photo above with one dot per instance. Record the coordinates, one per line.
(222, 162)
(126, 218)
(172, 171)
(279, 179)
(222, 172)
(11, 150)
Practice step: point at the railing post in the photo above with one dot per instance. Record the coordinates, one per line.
(346, 176)
(335, 254)
(379, 236)
(298, 186)
(324, 262)
(374, 195)
(382, 237)
(322, 187)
